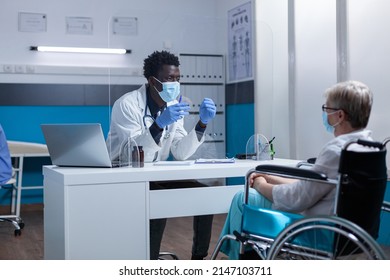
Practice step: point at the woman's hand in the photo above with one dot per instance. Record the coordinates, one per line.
(253, 176)
(260, 183)
(271, 179)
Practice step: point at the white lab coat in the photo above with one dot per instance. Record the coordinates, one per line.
(312, 198)
(127, 121)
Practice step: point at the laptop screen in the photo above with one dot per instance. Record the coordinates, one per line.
(81, 145)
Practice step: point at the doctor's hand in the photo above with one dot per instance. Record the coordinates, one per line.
(172, 113)
(207, 110)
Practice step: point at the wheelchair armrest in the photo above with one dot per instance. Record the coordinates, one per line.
(291, 172)
(285, 171)
(304, 164)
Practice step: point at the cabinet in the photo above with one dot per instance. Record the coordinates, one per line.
(203, 75)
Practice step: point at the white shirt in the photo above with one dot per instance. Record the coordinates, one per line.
(312, 198)
(127, 122)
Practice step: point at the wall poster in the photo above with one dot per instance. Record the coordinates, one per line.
(240, 43)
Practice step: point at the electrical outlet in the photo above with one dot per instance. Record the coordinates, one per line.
(136, 72)
(19, 69)
(30, 69)
(8, 68)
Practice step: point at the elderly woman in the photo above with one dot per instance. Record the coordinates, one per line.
(345, 115)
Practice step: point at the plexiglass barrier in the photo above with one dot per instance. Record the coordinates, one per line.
(205, 69)
(259, 147)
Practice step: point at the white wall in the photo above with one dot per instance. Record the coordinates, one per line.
(187, 26)
(369, 45)
(316, 70)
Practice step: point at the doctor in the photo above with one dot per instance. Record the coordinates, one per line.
(152, 116)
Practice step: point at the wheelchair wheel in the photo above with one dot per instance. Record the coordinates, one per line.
(324, 238)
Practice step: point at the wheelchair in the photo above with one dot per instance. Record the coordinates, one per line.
(348, 234)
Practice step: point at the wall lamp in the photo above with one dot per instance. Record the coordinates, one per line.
(79, 50)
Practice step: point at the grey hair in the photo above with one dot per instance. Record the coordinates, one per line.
(354, 98)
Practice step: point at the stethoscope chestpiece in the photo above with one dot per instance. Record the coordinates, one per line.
(167, 134)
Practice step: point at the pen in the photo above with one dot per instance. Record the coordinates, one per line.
(180, 98)
(272, 151)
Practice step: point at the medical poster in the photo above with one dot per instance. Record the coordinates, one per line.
(240, 43)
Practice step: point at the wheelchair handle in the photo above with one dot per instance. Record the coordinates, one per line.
(373, 144)
(387, 140)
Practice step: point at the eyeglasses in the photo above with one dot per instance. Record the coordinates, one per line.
(324, 108)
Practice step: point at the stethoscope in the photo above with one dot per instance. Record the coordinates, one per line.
(167, 134)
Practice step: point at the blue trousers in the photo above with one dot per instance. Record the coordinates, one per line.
(234, 219)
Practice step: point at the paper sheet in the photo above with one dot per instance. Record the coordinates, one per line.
(215, 160)
(174, 163)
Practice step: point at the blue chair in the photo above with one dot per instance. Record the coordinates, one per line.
(349, 234)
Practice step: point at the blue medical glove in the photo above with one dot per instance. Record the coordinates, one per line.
(207, 110)
(172, 113)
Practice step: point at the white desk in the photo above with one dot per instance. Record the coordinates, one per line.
(97, 213)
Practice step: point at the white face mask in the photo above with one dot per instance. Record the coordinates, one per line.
(329, 127)
(170, 90)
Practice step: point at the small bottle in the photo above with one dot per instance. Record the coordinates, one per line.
(141, 156)
(137, 156)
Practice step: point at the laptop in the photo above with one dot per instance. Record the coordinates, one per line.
(79, 145)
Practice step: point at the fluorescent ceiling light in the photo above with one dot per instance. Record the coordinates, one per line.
(79, 50)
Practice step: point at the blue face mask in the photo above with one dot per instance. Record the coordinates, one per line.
(328, 127)
(170, 90)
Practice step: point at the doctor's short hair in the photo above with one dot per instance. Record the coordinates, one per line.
(354, 98)
(154, 62)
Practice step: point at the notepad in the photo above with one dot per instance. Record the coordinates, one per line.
(215, 160)
(173, 162)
